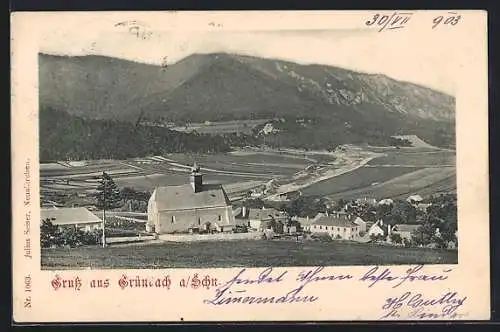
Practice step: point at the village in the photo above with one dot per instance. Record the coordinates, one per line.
(197, 211)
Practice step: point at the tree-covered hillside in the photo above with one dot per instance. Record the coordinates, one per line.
(67, 137)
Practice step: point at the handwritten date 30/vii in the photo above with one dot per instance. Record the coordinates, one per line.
(395, 21)
(400, 20)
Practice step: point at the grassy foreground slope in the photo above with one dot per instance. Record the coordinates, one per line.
(241, 253)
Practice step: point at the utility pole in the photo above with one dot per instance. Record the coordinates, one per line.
(104, 214)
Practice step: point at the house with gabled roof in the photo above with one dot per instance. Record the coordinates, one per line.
(192, 208)
(376, 229)
(338, 225)
(405, 230)
(78, 217)
(260, 219)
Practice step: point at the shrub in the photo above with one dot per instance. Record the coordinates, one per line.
(51, 236)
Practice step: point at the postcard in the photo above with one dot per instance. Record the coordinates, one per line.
(250, 166)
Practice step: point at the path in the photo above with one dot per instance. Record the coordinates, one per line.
(350, 161)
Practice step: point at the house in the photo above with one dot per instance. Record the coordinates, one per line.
(337, 225)
(423, 206)
(283, 197)
(414, 199)
(50, 204)
(367, 201)
(405, 230)
(386, 201)
(194, 207)
(290, 229)
(79, 217)
(361, 223)
(240, 216)
(305, 223)
(259, 219)
(376, 229)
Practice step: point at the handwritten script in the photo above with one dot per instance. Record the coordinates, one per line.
(417, 306)
(137, 29)
(236, 290)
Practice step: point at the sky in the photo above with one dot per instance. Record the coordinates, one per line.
(425, 59)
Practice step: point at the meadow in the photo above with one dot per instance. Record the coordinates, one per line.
(417, 159)
(425, 182)
(250, 253)
(360, 178)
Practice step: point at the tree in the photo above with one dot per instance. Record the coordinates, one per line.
(406, 243)
(108, 197)
(396, 238)
(49, 234)
(377, 238)
(306, 206)
(424, 235)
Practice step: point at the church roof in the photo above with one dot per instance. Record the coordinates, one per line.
(183, 197)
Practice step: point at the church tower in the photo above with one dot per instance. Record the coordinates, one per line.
(196, 178)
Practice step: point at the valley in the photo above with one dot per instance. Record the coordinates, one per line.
(350, 172)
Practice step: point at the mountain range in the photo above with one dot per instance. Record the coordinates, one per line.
(214, 87)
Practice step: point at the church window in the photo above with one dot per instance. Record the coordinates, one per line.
(173, 219)
(220, 217)
(199, 221)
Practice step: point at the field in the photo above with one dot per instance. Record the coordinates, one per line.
(356, 172)
(241, 253)
(396, 174)
(238, 172)
(417, 158)
(360, 178)
(425, 182)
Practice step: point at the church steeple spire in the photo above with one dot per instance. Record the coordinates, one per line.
(196, 179)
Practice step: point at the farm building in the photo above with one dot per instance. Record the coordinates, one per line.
(337, 225)
(404, 230)
(79, 217)
(193, 208)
